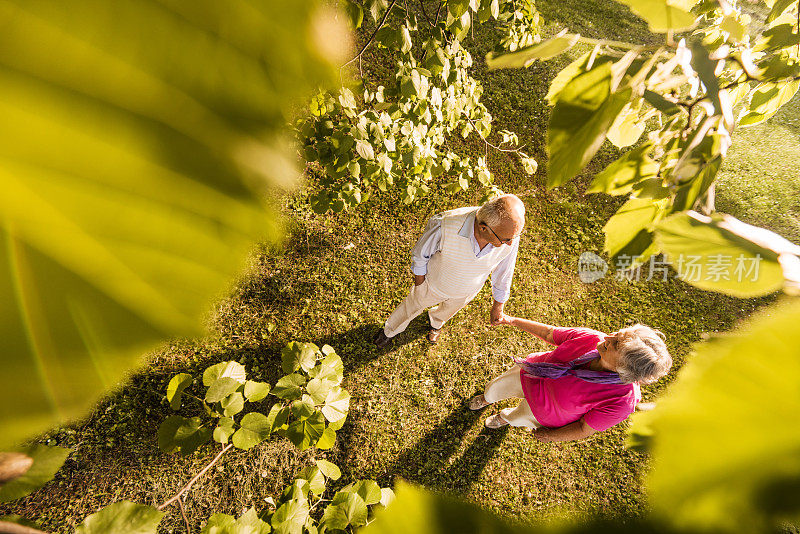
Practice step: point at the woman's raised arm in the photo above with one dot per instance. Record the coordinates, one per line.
(540, 330)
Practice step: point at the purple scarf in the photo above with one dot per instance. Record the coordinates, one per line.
(555, 370)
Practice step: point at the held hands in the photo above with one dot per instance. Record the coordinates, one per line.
(497, 317)
(419, 279)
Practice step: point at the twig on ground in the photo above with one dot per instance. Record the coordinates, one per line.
(183, 513)
(188, 486)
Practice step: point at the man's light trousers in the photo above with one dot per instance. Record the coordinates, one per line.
(421, 297)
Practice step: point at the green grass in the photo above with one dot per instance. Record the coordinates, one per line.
(337, 277)
(760, 180)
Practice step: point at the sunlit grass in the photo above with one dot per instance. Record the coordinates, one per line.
(760, 180)
(338, 277)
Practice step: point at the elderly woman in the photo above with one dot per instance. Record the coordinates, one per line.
(589, 383)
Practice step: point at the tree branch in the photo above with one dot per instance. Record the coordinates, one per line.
(618, 44)
(371, 37)
(188, 486)
(15, 528)
(490, 144)
(425, 13)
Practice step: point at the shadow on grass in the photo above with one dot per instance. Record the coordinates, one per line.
(433, 461)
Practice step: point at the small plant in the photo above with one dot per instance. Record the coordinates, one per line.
(294, 512)
(311, 404)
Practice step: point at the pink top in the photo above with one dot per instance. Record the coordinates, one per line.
(561, 401)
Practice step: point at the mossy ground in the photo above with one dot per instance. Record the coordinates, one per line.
(337, 277)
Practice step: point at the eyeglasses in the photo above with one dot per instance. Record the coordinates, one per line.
(504, 241)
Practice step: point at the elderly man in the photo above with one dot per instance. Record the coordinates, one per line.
(451, 261)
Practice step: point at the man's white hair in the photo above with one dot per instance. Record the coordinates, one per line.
(500, 209)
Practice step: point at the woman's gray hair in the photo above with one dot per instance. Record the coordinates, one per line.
(502, 208)
(644, 357)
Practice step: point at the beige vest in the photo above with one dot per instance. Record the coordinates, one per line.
(454, 270)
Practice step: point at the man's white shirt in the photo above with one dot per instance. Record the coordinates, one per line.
(431, 242)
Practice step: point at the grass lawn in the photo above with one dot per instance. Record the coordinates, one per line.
(337, 277)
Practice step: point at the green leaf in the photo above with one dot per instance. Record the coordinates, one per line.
(175, 389)
(289, 387)
(389, 37)
(707, 254)
(337, 404)
(336, 425)
(232, 404)
(290, 517)
(297, 355)
(778, 8)
(330, 368)
(248, 523)
(304, 433)
(776, 38)
(298, 489)
(423, 512)
(766, 100)
(329, 469)
(221, 389)
(124, 516)
(316, 479)
(524, 57)
(253, 429)
(705, 68)
(456, 8)
(39, 466)
(318, 389)
(355, 12)
(405, 39)
(133, 175)
(662, 15)
(231, 369)
(583, 113)
(256, 391)
(387, 496)
(569, 73)
(742, 474)
(184, 434)
(19, 520)
(736, 29)
(277, 417)
(688, 194)
(621, 175)
(660, 103)
(219, 524)
(327, 440)
(368, 490)
(626, 128)
(346, 508)
(303, 408)
(628, 230)
(224, 430)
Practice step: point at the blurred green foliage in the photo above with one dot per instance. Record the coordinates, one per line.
(725, 442)
(137, 145)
